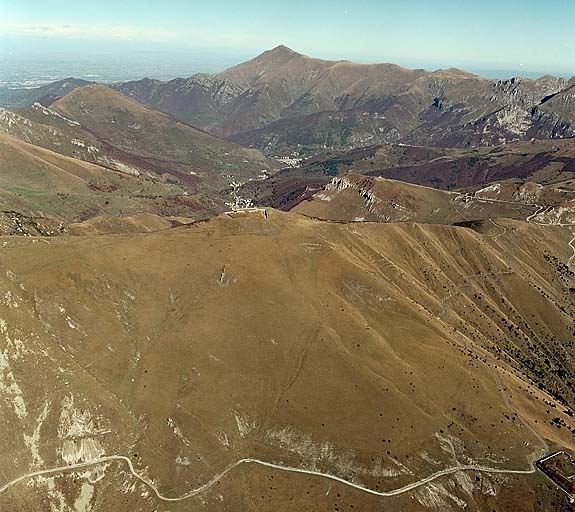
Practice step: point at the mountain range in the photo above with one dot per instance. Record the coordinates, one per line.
(283, 101)
(129, 141)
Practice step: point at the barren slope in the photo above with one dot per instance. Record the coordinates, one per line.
(140, 142)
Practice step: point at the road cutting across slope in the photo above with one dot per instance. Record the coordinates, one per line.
(571, 244)
(539, 209)
(220, 475)
(504, 229)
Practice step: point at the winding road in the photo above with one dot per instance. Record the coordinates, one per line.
(504, 229)
(215, 479)
(538, 208)
(571, 242)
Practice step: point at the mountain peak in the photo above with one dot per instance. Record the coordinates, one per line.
(282, 50)
(265, 62)
(279, 55)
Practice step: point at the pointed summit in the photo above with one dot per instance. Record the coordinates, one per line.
(266, 62)
(278, 55)
(282, 50)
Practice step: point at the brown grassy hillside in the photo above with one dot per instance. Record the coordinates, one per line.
(131, 127)
(36, 183)
(378, 353)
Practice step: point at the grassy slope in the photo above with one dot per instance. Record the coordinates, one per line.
(364, 198)
(366, 352)
(38, 182)
(146, 132)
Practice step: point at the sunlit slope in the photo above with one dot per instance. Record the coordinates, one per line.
(378, 353)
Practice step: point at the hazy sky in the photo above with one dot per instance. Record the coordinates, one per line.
(534, 35)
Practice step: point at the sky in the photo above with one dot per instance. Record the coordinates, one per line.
(529, 35)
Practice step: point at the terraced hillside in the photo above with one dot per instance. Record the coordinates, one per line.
(269, 361)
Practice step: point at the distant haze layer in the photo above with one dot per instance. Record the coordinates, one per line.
(30, 69)
(21, 67)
